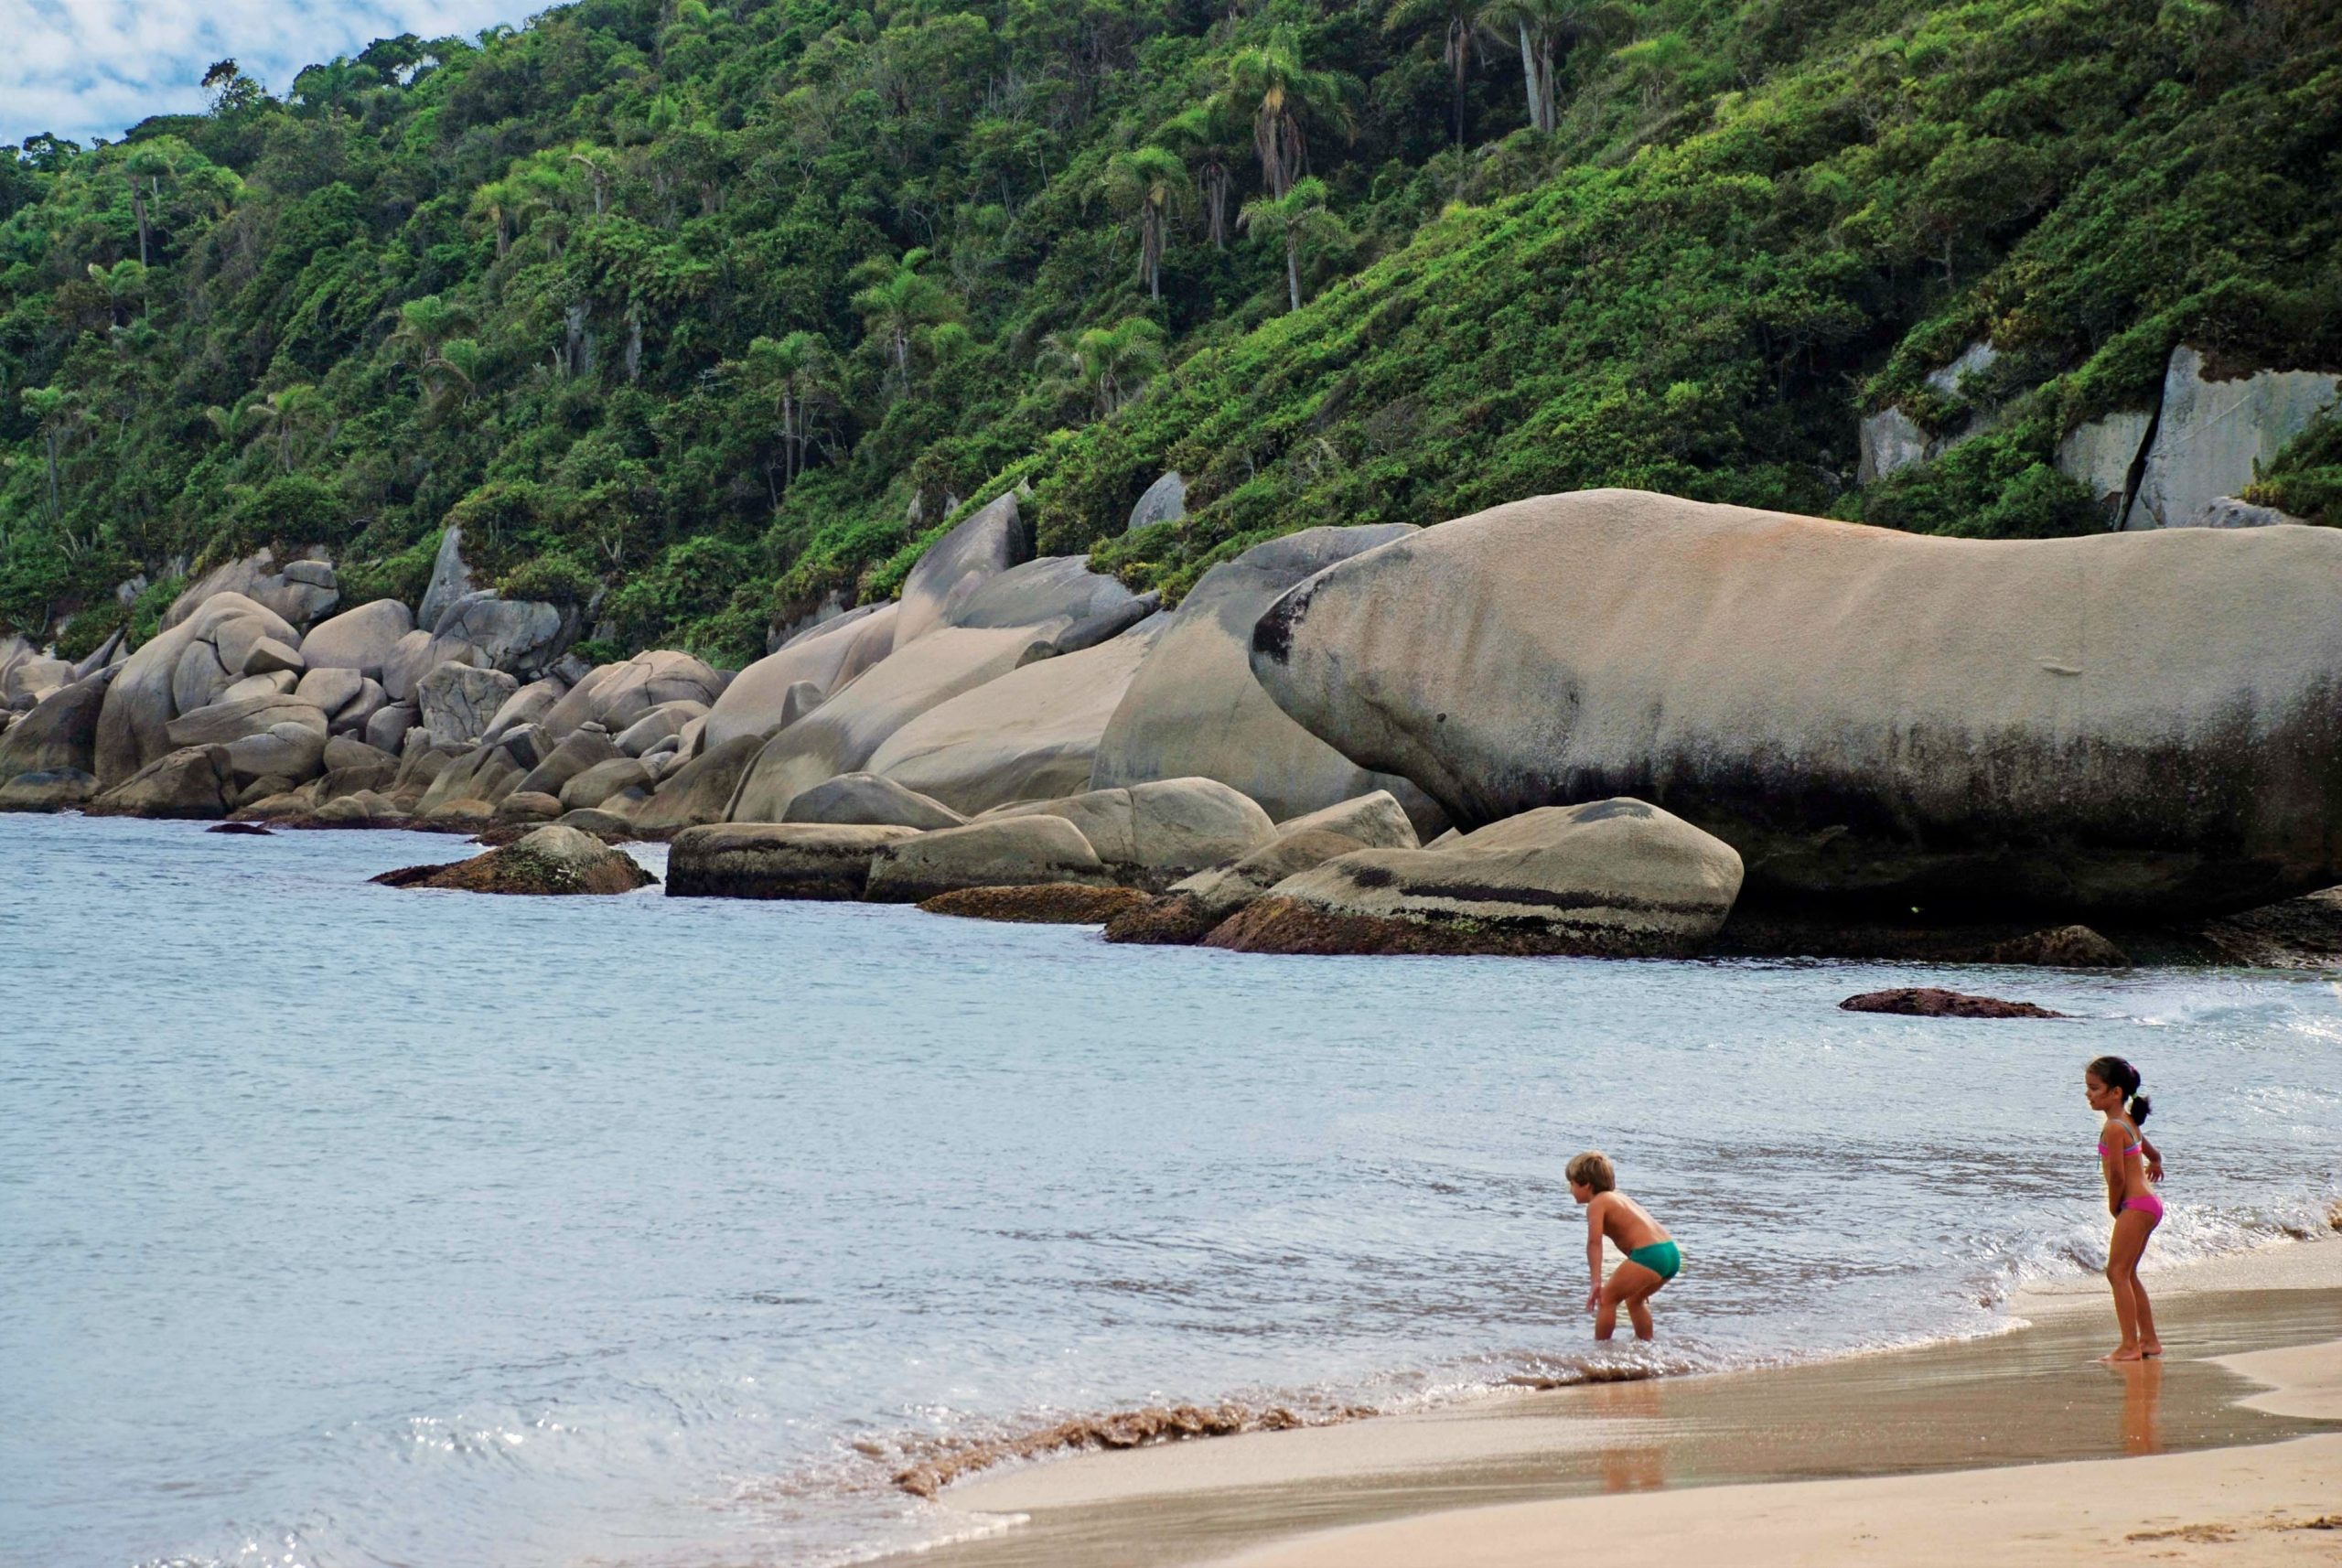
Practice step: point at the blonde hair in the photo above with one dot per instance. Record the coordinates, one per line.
(1592, 1169)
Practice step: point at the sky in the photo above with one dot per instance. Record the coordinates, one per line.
(95, 68)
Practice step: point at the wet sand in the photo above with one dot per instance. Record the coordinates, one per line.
(1860, 1439)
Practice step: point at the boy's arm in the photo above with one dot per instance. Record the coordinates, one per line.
(1597, 1214)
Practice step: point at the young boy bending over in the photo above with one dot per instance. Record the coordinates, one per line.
(1652, 1257)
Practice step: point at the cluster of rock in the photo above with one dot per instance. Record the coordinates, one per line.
(1575, 724)
(2181, 463)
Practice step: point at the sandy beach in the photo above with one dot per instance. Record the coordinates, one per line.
(2018, 1445)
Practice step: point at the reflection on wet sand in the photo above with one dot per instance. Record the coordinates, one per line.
(2034, 1395)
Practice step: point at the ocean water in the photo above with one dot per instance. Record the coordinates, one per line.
(347, 1226)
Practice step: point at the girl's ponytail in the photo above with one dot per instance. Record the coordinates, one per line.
(2116, 1073)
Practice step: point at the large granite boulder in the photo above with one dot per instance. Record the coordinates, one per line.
(661, 724)
(298, 591)
(1165, 501)
(1001, 852)
(289, 753)
(553, 859)
(485, 774)
(194, 781)
(1010, 618)
(47, 790)
(781, 688)
(991, 541)
(26, 681)
(582, 749)
(1194, 710)
(522, 638)
(1614, 878)
(2135, 724)
(529, 706)
(359, 639)
(776, 860)
(457, 701)
(597, 784)
(1032, 734)
(1371, 822)
(1152, 835)
(2212, 436)
(698, 790)
(451, 579)
(616, 695)
(222, 722)
(330, 688)
(60, 734)
(175, 672)
(865, 799)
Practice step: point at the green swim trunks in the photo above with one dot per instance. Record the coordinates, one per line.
(1661, 1258)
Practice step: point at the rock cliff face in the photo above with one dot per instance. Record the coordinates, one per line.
(2211, 435)
(2138, 723)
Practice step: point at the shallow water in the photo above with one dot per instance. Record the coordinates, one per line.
(347, 1226)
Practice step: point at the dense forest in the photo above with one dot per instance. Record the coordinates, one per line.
(700, 311)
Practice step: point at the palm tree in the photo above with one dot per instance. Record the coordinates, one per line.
(1297, 219)
(1197, 129)
(286, 410)
(123, 281)
(1270, 81)
(1460, 23)
(1110, 365)
(799, 376)
(1150, 183)
(1545, 28)
(56, 411)
(898, 302)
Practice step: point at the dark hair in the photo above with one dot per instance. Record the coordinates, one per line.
(2116, 1073)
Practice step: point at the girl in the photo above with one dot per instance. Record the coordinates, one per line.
(2112, 1086)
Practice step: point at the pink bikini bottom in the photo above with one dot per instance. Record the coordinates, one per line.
(2150, 1206)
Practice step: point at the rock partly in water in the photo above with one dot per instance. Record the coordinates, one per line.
(2063, 947)
(60, 734)
(194, 781)
(1169, 920)
(1613, 879)
(776, 860)
(1046, 904)
(1929, 1002)
(1152, 835)
(2133, 725)
(553, 859)
(868, 800)
(1193, 708)
(47, 790)
(999, 852)
(249, 830)
(175, 672)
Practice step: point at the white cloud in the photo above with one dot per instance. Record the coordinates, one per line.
(95, 68)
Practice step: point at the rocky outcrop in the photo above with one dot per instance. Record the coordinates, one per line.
(194, 781)
(596, 786)
(2138, 723)
(47, 790)
(1151, 836)
(698, 791)
(1165, 501)
(1051, 903)
(528, 705)
(457, 701)
(781, 688)
(1194, 710)
(988, 542)
(1031, 735)
(60, 733)
(616, 696)
(175, 672)
(1891, 440)
(776, 860)
(2102, 455)
(1931, 1002)
(297, 592)
(360, 640)
(1005, 620)
(666, 722)
(866, 799)
(25, 682)
(1612, 878)
(582, 749)
(549, 860)
(2211, 435)
(222, 722)
(2228, 511)
(1371, 822)
(450, 578)
(1010, 852)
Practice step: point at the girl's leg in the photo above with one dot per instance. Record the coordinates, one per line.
(2123, 1250)
(2149, 1344)
(1627, 1283)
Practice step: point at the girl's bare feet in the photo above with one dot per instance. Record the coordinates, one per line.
(2152, 1348)
(2123, 1354)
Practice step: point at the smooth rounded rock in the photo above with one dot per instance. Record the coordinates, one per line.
(1002, 851)
(776, 860)
(1152, 835)
(868, 799)
(359, 639)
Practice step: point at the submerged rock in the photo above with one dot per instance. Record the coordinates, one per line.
(1929, 1002)
(1001, 852)
(776, 860)
(47, 790)
(1169, 919)
(2066, 947)
(2139, 724)
(250, 830)
(1046, 904)
(1613, 878)
(548, 860)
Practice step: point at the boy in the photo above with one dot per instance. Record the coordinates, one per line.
(1652, 1257)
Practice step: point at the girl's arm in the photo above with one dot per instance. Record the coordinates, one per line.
(2154, 1160)
(2110, 1165)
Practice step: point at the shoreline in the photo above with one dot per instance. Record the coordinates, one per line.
(1515, 1478)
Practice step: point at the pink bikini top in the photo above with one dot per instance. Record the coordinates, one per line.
(2138, 1140)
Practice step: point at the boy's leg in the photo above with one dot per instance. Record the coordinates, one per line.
(1629, 1284)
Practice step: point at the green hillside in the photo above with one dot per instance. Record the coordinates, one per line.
(699, 306)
